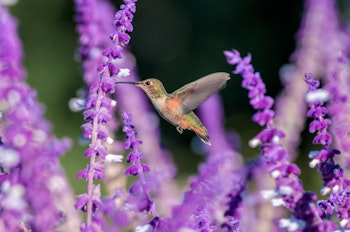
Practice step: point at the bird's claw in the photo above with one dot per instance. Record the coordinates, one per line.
(179, 129)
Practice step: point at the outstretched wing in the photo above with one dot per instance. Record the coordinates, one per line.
(194, 93)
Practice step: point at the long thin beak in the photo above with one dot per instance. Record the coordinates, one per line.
(131, 83)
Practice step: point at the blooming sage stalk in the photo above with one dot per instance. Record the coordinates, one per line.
(31, 179)
(334, 183)
(99, 111)
(289, 190)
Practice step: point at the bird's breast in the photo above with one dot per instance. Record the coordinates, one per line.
(158, 103)
(170, 110)
(172, 104)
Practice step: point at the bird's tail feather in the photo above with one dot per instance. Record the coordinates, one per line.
(205, 138)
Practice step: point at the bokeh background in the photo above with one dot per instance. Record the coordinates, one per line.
(177, 41)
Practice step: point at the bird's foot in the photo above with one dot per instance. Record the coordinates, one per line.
(179, 129)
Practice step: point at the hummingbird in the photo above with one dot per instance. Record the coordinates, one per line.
(177, 107)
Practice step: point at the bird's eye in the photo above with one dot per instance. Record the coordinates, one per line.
(148, 82)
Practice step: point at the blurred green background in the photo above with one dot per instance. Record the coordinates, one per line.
(176, 41)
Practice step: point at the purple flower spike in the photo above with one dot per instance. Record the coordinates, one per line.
(338, 105)
(93, 23)
(147, 124)
(32, 182)
(123, 24)
(199, 206)
(140, 197)
(289, 190)
(315, 98)
(253, 83)
(211, 113)
(334, 182)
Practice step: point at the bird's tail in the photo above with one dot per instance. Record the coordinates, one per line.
(202, 133)
(204, 137)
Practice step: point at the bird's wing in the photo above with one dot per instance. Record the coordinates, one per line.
(194, 93)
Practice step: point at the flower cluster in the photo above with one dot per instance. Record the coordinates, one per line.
(97, 114)
(213, 186)
(147, 124)
(139, 190)
(289, 190)
(120, 38)
(334, 182)
(257, 89)
(338, 106)
(92, 19)
(31, 179)
(143, 194)
(99, 106)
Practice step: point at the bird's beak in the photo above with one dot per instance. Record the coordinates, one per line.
(138, 84)
(130, 83)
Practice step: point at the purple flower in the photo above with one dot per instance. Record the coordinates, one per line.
(119, 217)
(211, 187)
(35, 196)
(312, 41)
(140, 197)
(212, 116)
(289, 189)
(93, 24)
(29, 164)
(334, 182)
(338, 104)
(123, 24)
(318, 112)
(92, 17)
(231, 225)
(253, 83)
(146, 121)
(201, 222)
(235, 202)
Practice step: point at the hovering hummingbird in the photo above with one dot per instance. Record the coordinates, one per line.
(177, 107)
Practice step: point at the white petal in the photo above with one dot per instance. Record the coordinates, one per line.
(324, 191)
(286, 190)
(254, 142)
(314, 163)
(343, 222)
(14, 199)
(268, 194)
(109, 140)
(275, 174)
(276, 139)
(277, 202)
(319, 94)
(114, 158)
(76, 104)
(123, 72)
(9, 157)
(145, 228)
(336, 188)
(284, 222)
(113, 103)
